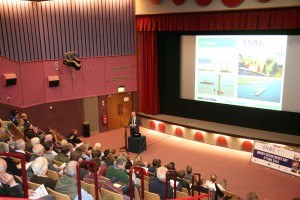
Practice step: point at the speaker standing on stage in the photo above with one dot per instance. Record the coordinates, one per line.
(134, 124)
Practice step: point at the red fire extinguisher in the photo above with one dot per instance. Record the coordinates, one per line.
(104, 119)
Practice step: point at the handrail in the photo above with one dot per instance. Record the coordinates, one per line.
(139, 169)
(23, 168)
(95, 178)
(193, 182)
(167, 183)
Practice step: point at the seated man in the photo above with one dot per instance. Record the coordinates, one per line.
(183, 183)
(158, 185)
(11, 188)
(118, 170)
(217, 188)
(68, 183)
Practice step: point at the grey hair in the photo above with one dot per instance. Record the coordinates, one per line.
(19, 144)
(35, 140)
(4, 147)
(39, 166)
(161, 173)
(70, 169)
(121, 160)
(38, 149)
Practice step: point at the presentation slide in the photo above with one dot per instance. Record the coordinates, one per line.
(243, 70)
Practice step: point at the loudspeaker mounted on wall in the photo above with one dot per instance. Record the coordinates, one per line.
(53, 81)
(9, 79)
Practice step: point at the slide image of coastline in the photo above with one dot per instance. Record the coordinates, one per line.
(215, 84)
(255, 65)
(217, 65)
(259, 88)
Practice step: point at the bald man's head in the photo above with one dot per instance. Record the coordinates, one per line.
(3, 166)
(38, 149)
(213, 178)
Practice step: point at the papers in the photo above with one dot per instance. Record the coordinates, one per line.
(27, 165)
(117, 185)
(39, 192)
(172, 183)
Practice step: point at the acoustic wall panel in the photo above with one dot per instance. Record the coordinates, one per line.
(46, 30)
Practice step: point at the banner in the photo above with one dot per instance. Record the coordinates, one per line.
(276, 157)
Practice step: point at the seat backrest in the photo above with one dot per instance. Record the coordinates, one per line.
(234, 196)
(116, 196)
(185, 190)
(32, 185)
(181, 194)
(58, 163)
(137, 194)
(147, 178)
(146, 185)
(151, 196)
(53, 175)
(90, 188)
(58, 195)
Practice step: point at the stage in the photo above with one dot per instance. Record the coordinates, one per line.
(223, 129)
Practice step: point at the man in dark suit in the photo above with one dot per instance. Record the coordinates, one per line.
(158, 185)
(134, 124)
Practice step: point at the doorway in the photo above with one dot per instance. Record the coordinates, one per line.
(119, 108)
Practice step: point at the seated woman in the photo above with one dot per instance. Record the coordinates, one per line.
(86, 154)
(63, 154)
(73, 137)
(40, 167)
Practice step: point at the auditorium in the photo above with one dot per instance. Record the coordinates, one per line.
(150, 99)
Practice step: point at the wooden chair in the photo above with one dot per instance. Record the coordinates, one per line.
(234, 196)
(90, 188)
(18, 178)
(146, 185)
(181, 194)
(185, 191)
(151, 196)
(58, 163)
(116, 196)
(137, 194)
(32, 185)
(104, 178)
(187, 180)
(52, 174)
(197, 194)
(16, 160)
(147, 178)
(58, 195)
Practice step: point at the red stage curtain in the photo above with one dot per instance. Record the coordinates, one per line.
(149, 73)
(283, 18)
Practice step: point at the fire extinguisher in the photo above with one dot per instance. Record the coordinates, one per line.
(104, 119)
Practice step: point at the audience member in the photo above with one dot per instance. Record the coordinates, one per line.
(20, 147)
(96, 154)
(77, 156)
(157, 184)
(217, 188)
(252, 196)
(38, 151)
(73, 137)
(25, 119)
(63, 154)
(68, 183)
(85, 151)
(180, 179)
(118, 170)
(156, 163)
(97, 146)
(13, 116)
(40, 167)
(7, 138)
(11, 165)
(189, 173)
(49, 153)
(33, 141)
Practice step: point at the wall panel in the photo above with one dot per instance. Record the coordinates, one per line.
(46, 30)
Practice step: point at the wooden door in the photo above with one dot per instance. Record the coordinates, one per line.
(119, 108)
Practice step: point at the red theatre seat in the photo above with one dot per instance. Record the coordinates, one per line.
(161, 127)
(198, 136)
(178, 132)
(247, 146)
(221, 141)
(152, 125)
